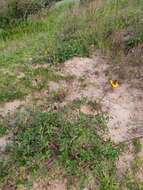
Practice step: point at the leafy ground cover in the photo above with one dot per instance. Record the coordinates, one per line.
(45, 140)
(65, 31)
(63, 139)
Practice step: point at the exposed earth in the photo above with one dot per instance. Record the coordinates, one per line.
(123, 106)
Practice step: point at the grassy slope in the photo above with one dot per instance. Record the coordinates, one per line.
(53, 37)
(62, 33)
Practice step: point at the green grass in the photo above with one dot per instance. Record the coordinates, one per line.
(27, 44)
(73, 143)
(3, 130)
(65, 31)
(131, 181)
(76, 147)
(137, 145)
(27, 81)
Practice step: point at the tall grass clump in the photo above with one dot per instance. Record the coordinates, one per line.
(97, 23)
(14, 10)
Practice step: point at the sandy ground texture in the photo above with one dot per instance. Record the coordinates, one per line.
(123, 105)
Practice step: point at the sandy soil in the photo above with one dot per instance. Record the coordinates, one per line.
(4, 141)
(124, 105)
(52, 185)
(10, 107)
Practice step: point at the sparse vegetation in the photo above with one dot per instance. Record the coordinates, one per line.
(3, 130)
(76, 147)
(137, 145)
(52, 38)
(34, 39)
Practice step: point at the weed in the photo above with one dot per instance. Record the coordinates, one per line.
(78, 102)
(65, 31)
(137, 145)
(3, 130)
(131, 182)
(75, 146)
(95, 105)
(137, 163)
(59, 95)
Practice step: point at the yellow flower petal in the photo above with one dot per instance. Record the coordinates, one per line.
(114, 84)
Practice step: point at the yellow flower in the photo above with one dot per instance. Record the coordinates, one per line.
(114, 83)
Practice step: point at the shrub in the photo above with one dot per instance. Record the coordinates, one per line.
(13, 10)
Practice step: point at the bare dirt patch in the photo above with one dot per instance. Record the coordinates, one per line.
(123, 117)
(124, 162)
(51, 185)
(123, 104)
(86, 71)
(55, 86)
(34, 99)
(10, 107)
(4, 141)
(86, 109)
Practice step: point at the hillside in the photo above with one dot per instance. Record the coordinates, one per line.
(65, 123)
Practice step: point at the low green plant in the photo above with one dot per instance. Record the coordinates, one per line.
(3, 130)
(60, 34)
(137, 145)
(76, 146)
(132, 183)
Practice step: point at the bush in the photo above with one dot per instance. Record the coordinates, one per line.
(13, 10)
